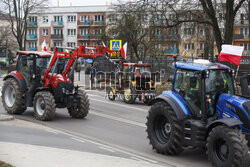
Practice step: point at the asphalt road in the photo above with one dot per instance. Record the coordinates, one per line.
(114, 126)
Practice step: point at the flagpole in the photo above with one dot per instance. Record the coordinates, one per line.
(237, 71)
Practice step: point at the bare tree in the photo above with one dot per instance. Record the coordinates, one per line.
(16, 12)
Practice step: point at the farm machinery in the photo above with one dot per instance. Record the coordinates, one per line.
(203, 111)
(134, 80)
(45, 81)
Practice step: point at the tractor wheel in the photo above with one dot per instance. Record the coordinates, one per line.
(226, 147)
(12, 99)
(129, 96)
(44, 106)
(83, 110)
(111, 94)
(165, 132)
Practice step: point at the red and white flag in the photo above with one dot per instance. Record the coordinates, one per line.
(44, 46)
(124, 50)
(106, 49)
(231, 53)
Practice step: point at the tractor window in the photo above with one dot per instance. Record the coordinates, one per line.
(25, 67)
(187, 85)
(142, 71)
(219, 81)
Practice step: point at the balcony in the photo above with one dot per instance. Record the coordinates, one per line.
(83, 37)
(98, 23)
(238, 36)
(86, 23)
(32, 24)
(32, 37)
(57, 36)
(172, 51)
(57, 23)
(159, 36)
(32, 49)
(96, 37)
(174, 37)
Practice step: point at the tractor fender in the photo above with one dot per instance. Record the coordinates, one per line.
(175, 106)
(39, 89)
(230, 122)
(19, 78)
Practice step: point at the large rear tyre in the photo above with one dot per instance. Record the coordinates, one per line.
(165, 132)
(44, 106)
(226, 147)
(12, 99)
(83, 109)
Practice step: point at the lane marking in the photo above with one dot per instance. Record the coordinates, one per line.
(52, 131)
(65, 132)
(78, 139)
(107, 149)
(103, 101)
(119, 119)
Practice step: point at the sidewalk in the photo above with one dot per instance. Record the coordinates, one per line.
(24, 155)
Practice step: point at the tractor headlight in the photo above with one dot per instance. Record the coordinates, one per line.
(63, 90)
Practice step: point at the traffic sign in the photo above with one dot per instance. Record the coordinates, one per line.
(115, 44)
(185, 52)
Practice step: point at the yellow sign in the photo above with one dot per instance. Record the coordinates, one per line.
(185, 52)
(115, 44)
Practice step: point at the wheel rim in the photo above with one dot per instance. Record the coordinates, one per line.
(10, 96)
(221, 149)
(127, 94)
(40, 106)
(162, 128)
(111, 94)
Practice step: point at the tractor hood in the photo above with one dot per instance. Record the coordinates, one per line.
(57, 78)
(236, 107)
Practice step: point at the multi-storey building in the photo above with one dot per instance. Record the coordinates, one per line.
(66, 26)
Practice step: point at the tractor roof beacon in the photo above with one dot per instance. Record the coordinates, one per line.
(201, 110)
(45, 81)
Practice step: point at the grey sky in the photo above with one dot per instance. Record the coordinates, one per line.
(81, 2)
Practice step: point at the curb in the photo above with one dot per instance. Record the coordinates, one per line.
(4, 117)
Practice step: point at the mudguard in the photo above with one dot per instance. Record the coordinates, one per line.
(19, 78)
(178, 105)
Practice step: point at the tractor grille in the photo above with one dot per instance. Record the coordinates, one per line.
(58, 91)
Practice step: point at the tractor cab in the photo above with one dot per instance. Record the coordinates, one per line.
(32, 64)
(200, 83)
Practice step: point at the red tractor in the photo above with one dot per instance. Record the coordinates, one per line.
(44, 80)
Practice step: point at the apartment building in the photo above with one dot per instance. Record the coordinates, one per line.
(66, 26)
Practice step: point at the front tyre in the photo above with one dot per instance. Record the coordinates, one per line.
(226, 147)
(111, 95)
(83, 109)
(165, 132)
(12, 99)
(44, 106)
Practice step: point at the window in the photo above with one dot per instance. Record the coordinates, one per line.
(71, 19)
(157, 31)
(158, 46)
(189, 31)
(172, 46)
(244, 31)
(58, 44)
(84, 32)
(58, 18)
(246, 46)
(33, 19)
(84, 43)
(58, 31)
(71, 44)
(32, 31)
(45, 32)
(84, 18)
(45, 19)
(202, 31)
(32, 44)
(189, 46)
(71, 31)
(97, 31)
(99, 18)
(202, 46)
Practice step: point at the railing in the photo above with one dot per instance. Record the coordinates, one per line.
(86, 36)
(172, 51)
(32, 36)
(57, 36)
(57, 23)
(32, 23)
(32, 49)
(238, 36)
(84, 23)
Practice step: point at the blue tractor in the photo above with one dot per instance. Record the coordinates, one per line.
(201, 110)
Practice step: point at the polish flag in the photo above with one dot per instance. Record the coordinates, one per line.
(231, 54)
(106, 49)
(124, 50)
(44, 46)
